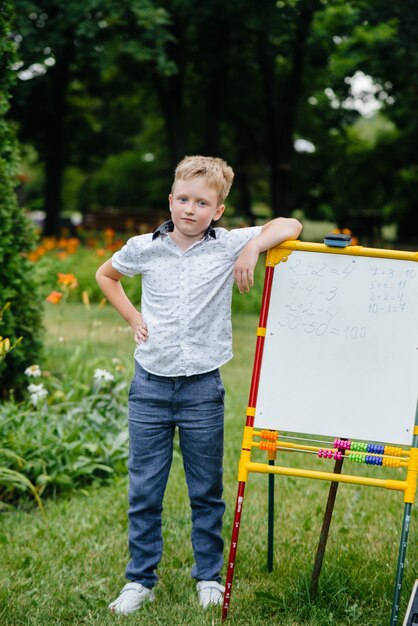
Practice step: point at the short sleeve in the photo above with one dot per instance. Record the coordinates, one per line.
(129, 259)
(237, 238)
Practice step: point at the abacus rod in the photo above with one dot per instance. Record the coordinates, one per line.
(328, 442)
(314, 450)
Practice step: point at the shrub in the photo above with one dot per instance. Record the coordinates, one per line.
(23, 317)
(67, 435)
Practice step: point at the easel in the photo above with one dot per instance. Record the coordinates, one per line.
(271, 441)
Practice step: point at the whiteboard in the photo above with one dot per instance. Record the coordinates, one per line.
(341, 348)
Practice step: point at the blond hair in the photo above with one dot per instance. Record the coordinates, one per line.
(218, 174)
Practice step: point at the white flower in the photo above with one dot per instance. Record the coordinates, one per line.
(37, 393)
(33, 370)
(103, 376)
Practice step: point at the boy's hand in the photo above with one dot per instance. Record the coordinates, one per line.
(140, 329)
(244, 267)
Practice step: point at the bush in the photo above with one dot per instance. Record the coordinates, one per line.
(17, 286)
(67, 435)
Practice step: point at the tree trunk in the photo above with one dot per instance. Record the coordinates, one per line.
(55, 146)
(281, 115)
(244, 203)
(242, 179)
(215, 67)
(171, 93)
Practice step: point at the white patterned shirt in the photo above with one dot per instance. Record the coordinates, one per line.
(186, 297)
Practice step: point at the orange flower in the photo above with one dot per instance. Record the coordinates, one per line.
(55, 297)
(33, 256)
(71, 244)
(100, 252)
(68, 280)
(109, 233)
(113, 246)
(49, 243)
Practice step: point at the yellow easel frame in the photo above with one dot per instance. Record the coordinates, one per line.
(409, 459)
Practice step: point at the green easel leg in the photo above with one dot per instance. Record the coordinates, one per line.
(270, 530)
(401, 563)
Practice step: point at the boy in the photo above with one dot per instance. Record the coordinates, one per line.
(184, 335)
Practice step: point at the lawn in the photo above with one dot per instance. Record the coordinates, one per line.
(66, 567)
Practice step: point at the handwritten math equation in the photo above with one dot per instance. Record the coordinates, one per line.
(318, 300)
(388, 289)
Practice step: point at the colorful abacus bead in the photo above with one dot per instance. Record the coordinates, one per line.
(388, 462)
(270, 435)
(268, 445)
(330, 454)
(342, 444)
(375, 449)
(373, 460)
(393, 451)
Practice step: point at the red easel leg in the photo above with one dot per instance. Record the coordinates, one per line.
(233, 549)
(247, 437)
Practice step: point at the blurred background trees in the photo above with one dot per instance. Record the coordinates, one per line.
(313, 102)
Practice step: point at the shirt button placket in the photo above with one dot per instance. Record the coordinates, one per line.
(186, 315)
(183, 313)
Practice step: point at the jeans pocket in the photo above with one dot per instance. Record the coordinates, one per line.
(136, 385)
(219, 386)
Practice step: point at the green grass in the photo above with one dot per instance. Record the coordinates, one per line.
(99, 333)
(66, 568)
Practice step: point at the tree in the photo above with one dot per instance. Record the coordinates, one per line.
(17, 288)
(364, 171)
(67, 44)
(240, 79)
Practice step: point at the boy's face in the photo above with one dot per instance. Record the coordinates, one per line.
(193, 206)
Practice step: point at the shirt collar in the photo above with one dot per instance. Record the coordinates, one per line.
(168, 227)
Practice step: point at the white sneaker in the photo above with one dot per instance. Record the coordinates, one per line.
(210, 593)
(132, 596)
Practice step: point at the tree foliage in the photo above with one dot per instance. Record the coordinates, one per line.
(17, 287)
(239, 79)
(73, 53)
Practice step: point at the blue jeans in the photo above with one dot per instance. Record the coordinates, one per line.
(157, 404)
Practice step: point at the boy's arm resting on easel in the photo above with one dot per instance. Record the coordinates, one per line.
(108, 280)
(274, 232)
